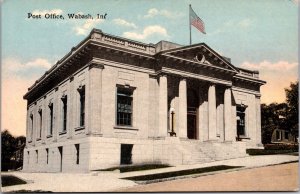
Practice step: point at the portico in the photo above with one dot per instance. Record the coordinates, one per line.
(197, 112)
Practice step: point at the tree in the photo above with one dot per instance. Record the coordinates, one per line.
(281, 116)
(292, 113)
(7, 149)
(9, 146)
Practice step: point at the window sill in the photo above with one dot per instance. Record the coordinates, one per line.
(62, 132)
(242, 137)
(125, 128)
(79, 128)
(49, 136)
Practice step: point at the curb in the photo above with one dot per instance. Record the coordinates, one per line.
(207, 174)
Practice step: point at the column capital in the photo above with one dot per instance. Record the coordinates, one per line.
(228, 87)
(162, 74)
(95, 65)
(212, 83)
(183, 77)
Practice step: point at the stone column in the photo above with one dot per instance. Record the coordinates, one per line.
(28, 138)
(163, 106)
(212, 113)
(71, 107)
(228, 133)
(182, 109)
(45, 123)
(95, 98)
(258, 121)
(34, 123)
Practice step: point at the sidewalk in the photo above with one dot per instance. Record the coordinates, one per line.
(109, 181)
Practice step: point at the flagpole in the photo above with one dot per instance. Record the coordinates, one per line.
(190, 24)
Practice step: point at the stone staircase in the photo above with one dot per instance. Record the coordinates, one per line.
(195, 152)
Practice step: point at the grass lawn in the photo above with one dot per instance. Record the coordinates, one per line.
(9, 180)
(180, 173)
(135, 168)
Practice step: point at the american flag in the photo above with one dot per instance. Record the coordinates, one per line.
(196, 21)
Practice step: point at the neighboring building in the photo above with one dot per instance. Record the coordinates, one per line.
(108, 101)
(282, 136)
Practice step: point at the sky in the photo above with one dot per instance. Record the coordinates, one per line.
(258, 34)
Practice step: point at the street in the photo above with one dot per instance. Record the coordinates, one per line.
(282, 177)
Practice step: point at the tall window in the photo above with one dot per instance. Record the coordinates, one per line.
(77, 153)
(51, 118)
(240, 113)
(28, 157)
(41, 123)
(65, 109)
(124, 106)
(37, 156)
(31, 125)
(47, 152)
(81, 91)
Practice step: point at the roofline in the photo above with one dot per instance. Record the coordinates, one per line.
(261, 82)
(74, 50)
(253, 71)
(205, 45)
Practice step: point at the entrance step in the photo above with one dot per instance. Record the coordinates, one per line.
(202, 152)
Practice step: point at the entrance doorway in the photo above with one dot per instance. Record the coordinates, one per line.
(192, 123)
(192, 102)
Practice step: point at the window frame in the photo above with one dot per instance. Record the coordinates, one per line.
(37, 156)
(31, 126)
(77, 149)
(47, 155)
(82, 107)
(64, 100)
(40, 123)
(51, 115)
(130, 94)
(241, 113)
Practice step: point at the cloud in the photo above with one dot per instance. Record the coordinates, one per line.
(86, 27)
(147, 32)
(155, 12)
(43, 12)
(35, 67)
(278, 75)
(268, 66)
(122, 22)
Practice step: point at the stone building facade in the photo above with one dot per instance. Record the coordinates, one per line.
(112, 101)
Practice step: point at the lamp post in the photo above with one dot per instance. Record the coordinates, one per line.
(172, 133)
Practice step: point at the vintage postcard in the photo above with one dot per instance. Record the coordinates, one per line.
(149, 96)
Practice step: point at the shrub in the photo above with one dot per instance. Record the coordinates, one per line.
(281, 146)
